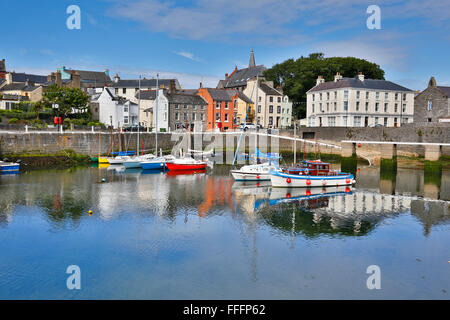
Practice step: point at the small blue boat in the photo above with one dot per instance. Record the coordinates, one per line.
(153, 164)
(9, 167)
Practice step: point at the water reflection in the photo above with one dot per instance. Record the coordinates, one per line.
(112, 191)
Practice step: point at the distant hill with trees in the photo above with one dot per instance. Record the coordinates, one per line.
(296, 77)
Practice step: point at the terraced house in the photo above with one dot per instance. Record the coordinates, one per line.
(358, 102)
(222, 108)
(432, 105)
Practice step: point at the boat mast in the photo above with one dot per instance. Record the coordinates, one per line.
(139, 111)
(295, 142)
(156, 114)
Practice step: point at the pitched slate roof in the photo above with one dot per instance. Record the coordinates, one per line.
(184, 98)
(240, 77)
(146, 83)
(243, 97)
(91, 76)
(23, 77)
(146, 94)
(445, 90)
(19, 86)
(269, 90)
(356, 83)
(222, 94)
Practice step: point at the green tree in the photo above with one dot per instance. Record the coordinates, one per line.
(296, 77)
(68, 99)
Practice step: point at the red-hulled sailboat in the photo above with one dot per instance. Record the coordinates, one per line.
(186, 164)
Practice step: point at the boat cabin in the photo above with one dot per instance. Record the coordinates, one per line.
(310, 168)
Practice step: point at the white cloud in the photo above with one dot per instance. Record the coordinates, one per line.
(269, 21)
(187, 55)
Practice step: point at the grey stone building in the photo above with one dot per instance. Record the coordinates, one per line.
(432, 105)
(187, 110)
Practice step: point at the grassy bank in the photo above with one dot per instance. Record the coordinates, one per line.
(62, 159)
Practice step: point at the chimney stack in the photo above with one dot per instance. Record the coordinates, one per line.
(360, 76)
(337, 77)
(172, 87)
(226, 75)
(58, 79)
(116, 78)
(76, 80)
(319, 80)
(201, 85)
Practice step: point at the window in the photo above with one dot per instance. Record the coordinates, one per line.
(328, 96)
(335, 94)
(396, 107)
(320, 96)
(335, 106)
(429, 119)
(279, 109)
(345, 105)
(376, 120)
(226, 117)
(385, 122)
(357, 94)
(177, 116)
(177, 106)
(386, 95)
(404, 96)
(217, 116)
(395, 122)
(217, 105)
(194, 107)
(270, 121)
(270, 109)
(357, 121)
(125, 120)
(404, 108)
(259, 109)
(376, 106)
(385, 107)
(185, 116)
(314, 96)
(202, 117)
(367, 106)
(332, 121)
(279, 99)
(367, 94)
(185, 106)
(345, 94)
(226, 105)
(396, 96)
(320, 107)
(345, 120)
(235, 104)
(202, 107)
(116, 90)
(328, 106)
(430, 105)
(124, 90)
(259, 99)
(377, 96)
(271, 99)
(357, 106)
(125, 108)
(313, 108)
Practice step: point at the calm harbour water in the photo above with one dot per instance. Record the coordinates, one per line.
(201, 236)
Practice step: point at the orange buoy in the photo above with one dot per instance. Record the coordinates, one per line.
(288, 180)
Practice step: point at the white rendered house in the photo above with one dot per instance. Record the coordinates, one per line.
(116, 111)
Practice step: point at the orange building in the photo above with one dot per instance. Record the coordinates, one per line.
(222, 107)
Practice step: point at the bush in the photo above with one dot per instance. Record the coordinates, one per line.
(13, 120)
(78, 122)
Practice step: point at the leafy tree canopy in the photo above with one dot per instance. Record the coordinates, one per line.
(69, 100)
(296, 77)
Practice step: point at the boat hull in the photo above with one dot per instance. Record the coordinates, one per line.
(157, 165)
(176, 166)
(132, 164)
(103, 160)
(249, 176)
(285, 180)
(10, 168)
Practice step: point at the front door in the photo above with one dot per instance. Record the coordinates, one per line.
(366, 121)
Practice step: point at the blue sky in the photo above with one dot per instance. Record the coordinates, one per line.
(204, 39)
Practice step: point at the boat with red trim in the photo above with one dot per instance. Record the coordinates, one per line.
(186, 164)
(310, 173)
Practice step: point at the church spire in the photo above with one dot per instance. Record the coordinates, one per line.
(252, 60)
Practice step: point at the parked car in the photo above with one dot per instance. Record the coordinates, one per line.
(135, 128)
(248, 126)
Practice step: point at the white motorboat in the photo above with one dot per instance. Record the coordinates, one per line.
(255, 172)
